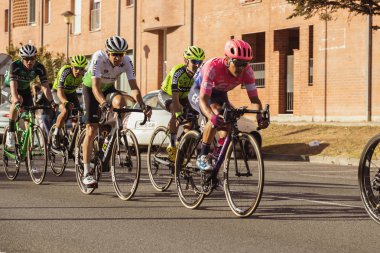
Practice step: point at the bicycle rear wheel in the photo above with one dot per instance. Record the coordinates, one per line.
(244, 175)
(58, 161)
(160, 169)
(37, 155)
(125, 165)
(187, 175)
(79, 175)
(11, 164)
(369, 178)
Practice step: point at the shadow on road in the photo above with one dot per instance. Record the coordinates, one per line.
(295, 149)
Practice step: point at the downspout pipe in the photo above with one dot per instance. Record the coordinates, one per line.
(135, 31)
(42, 23)
(192, 22)
(369, 81)
(118, 17)
(9, 23)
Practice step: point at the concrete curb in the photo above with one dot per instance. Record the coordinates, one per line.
(313, 159)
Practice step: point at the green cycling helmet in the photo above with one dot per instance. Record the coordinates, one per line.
(194, 53)
(79, 61)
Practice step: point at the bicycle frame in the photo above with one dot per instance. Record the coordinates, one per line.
(23, 143)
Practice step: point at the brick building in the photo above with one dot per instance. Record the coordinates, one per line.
(306, 69)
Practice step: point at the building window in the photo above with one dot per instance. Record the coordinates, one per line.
(77, 9)
(47, 18)
(130, 2)
(311, 46)
(95, 15)
(32, 12)
(6, 18)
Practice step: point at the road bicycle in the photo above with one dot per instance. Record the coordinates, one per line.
(30, 146)
(59, 156)
(243, 173)
(369, 177)
(118, 148)
(160, 168)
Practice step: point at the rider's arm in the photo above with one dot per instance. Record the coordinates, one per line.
(256, 102)
(61, 95)
(46, 90)
(13, 87)
(203, 104)
(97, 91)
(135, 91)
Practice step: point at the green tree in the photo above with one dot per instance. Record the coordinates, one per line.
(52, 61)
(325, 8)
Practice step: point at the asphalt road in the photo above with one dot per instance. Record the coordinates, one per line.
(305, 208)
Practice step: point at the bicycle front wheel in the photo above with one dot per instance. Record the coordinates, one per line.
(37, 155)
(159, 166)
(243, 175)
(369, 178)
(11, 158)
(188, 177)
(125, 165)
(58, 161)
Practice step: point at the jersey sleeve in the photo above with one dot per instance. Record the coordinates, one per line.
(62, 79)
(175, 80)
(249, 82)
(208, 76)
(41, 72)
(95, 66)
(12, 73)
(129, 69)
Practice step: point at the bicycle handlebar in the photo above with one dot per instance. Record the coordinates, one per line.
(123, 110)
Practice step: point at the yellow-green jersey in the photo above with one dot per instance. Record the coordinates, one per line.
(66, 80)
(178, 81)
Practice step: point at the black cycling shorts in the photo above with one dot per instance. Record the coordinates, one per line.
(91, 105)
(217, 97)
(27, 98)
(165, 100)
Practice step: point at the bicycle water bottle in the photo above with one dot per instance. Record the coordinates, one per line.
(105, 145)
(23, 136)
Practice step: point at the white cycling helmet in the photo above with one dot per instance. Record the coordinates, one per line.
(116, 44)
(28, 51)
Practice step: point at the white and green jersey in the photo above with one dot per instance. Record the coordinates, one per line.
(101, 67)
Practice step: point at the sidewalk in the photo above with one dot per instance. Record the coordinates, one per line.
(328, 142)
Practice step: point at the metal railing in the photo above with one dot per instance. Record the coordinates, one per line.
(95, 19)
(289, 101)
(259, 70)
(310, 71)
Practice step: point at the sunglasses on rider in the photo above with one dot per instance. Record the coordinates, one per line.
(78, 68)
(29, 58)
(196, 62)
(240, 64)
(117, 54)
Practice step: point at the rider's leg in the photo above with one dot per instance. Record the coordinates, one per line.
(59, 124)
(10, 141)
(88, 145)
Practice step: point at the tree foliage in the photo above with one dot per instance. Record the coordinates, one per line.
(52, 61)
(325, 8)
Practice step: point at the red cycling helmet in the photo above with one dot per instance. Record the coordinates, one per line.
(238, 49)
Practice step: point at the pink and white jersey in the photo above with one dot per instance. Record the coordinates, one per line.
(214, 74)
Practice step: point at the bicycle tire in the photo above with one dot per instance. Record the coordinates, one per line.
(160, 175)
(79, 166)
(244, 176)
(11, 166)
(58, 162)
(125, 165)
(188, 178)
(37, 147)
(369, 167)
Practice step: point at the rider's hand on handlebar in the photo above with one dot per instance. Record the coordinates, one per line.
(68, 105)
(53, 105)
(105, 107)
(262, 122)
(180, 117)
(147, 110)
(217, 120)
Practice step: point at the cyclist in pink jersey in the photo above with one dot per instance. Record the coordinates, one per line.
(212, 81)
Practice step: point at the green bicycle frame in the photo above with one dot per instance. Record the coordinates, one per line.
(22, 144)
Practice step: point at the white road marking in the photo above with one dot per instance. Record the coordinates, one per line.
(321, 202)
